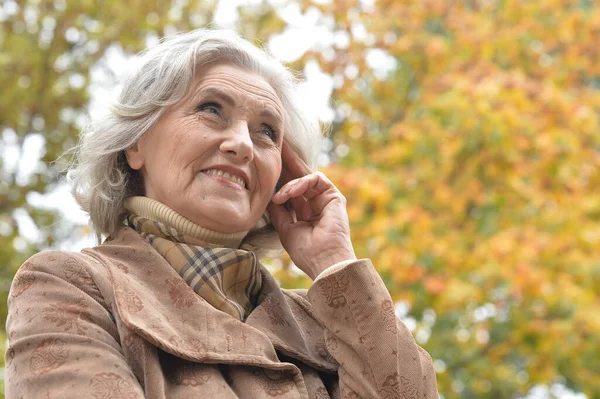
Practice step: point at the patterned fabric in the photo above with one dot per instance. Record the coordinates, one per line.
(227, 278)
(103, 324)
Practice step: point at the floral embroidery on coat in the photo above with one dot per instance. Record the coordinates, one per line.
(68, 316)
(322, 351)
(190, 374)
(76, 273)
(50, 354)
(134, 345)
(274, 311)
(322, 393)
(111, 386)
(181, 294)
(129, 300)
(398, 388)
(21, 283)
(275, 383)
(122, 267)
(348, 393)
(332, 291)
(389, 316)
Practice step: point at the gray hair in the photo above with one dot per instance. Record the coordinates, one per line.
(100, 176)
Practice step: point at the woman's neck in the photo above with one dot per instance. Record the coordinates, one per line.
(159, 212)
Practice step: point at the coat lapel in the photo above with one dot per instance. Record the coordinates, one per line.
(293, 331)
(155, 302)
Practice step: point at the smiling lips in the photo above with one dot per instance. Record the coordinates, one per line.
(217, 172)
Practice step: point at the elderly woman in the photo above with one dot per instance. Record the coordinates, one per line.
(198, 169)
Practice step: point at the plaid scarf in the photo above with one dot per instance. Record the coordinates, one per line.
(227, 278)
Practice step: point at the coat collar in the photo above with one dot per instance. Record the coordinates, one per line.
(155, 302)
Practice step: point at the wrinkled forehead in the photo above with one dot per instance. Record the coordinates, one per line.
(237, 87)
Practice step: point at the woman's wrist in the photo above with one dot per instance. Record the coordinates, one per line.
(325, 261)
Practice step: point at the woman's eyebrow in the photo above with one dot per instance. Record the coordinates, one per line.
(218, 93)
(268, 113)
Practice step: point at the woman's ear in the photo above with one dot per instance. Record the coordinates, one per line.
(135, 156)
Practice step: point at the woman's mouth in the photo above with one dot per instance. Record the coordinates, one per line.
(225, 176)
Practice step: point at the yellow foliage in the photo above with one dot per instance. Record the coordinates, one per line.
(473, 181)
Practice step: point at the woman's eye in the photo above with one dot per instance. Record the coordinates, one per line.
(269, 131)
(212, 108)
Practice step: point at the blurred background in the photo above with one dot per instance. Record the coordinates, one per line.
(465, 135)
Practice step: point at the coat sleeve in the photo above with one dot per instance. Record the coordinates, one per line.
(377, 354)
(63, 342)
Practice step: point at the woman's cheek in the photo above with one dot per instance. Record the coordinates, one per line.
(275, 169)
(269, 175)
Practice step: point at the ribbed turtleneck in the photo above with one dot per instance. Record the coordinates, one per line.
(154, 210)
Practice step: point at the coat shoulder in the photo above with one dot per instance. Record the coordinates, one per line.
(56, 262)
(78, 269)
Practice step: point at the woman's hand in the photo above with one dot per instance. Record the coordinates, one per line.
(319, 235)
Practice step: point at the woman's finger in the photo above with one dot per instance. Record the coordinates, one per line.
(318, 204)
(280, 217)
(307, 203)
(309, 186)
(301, 209)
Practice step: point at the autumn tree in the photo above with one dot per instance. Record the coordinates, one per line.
(470, 155)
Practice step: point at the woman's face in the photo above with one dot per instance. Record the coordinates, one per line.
(215, 157)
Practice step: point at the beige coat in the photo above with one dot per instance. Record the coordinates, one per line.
(117, 321)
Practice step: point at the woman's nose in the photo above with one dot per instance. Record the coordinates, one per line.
(238, 143)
